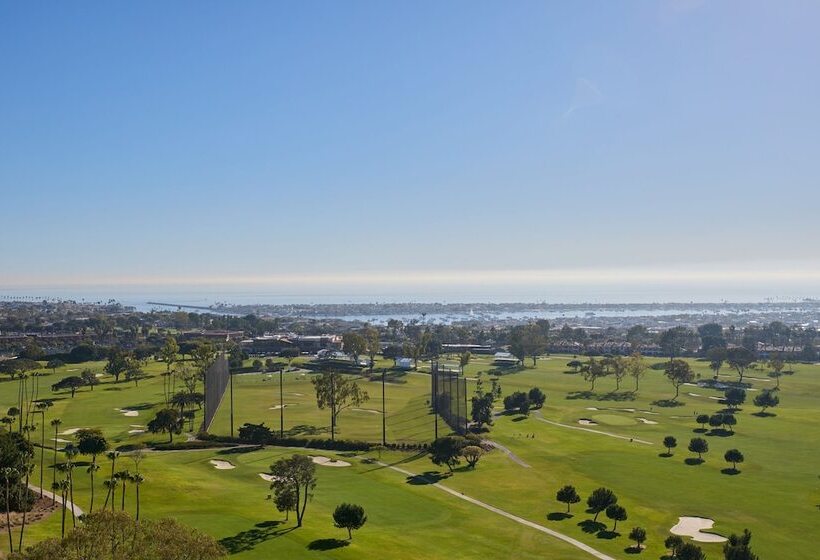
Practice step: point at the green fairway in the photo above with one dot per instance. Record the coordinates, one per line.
(775, 495)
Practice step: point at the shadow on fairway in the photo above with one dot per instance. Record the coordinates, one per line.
(248, 540)
(141, 406)
(693, 461)
(611, 396)
(668, 403)
(591, 527)
(665, 454)
(429, 477)
(719, 432)
(633, 550)
(764, 414)
(730, 471)
(327, 544)
(608, 535)
(306, 430)
(558, 516)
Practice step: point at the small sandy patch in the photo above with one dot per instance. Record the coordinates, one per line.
(370, 410)
(60, 440)
(587, 422)
(628, 409)
(693, 527)
(328, 462)
(716, 398)
(127, 412)
(136, 431)
(268, 477)
(297, 394)
(136, 426)
(649, 412)
(593, 408)
(645, 421)
(71, 431)
(222, 465)
(694, 395)
(278, 406)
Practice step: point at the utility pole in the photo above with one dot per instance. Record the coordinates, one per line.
(230, 377)
(384, 411)
(434, 371)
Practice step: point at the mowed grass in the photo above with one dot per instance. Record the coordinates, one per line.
(776, 495)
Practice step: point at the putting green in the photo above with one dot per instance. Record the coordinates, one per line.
(613, 420)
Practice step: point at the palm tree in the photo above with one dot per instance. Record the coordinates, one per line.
(8, 473)
(112, 455)
(92, 468)
(124, 477)
(62, 487)
(111, 484)
(70, 453)
(41, 408)
(27, 466)
(137, 479)
(56, 423)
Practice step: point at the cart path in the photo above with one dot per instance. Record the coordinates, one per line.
(513, 457)
(581, 428)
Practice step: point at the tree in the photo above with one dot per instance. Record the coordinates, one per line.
(678, 340)
(373, 344)
(472, 453)
(616, 366)
(766, 399)
(527, 341)
(137, 480)
(568, 495)
(737, 547)
(284, 498)
(167, 421)
(730, 421)
(482, 409)
(636, 368)
(298, 474)
(519, 401)
(89, 378)
(716, 357)
(537, 397)
(616, 513)
(70, 383)
(678, 372)
(739, 359)
(733, 456)
(354, 344)
(689, 551)
(350, 517)
(638, 534)
(54, 364)
(337, 393)
(734, 397)
(699, 446)
(463, 361)
(669, 442)
(115, 536)
(257, 365)
(447, 451)
(702, 419)
(91, 442)
(117, 363)
(673, 544)
(593, 370)
(716, 420)
(600, 499)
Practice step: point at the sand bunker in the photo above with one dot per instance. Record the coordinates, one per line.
(587, 422)
(694, 395)
(370, 410)
(127, 412)
(71, 431)
(297, 394)
(692, 527)
(328, 462)
(593, 408)
(716, 398)
(99, 374)
(649, 412)
(268, 477)
(60, 440)
(222, 465)
(136, 426)
(278, 406)
(136, 431)
(645, 421)
(628, 409)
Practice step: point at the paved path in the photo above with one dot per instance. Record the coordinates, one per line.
(581, 428)
(46, 494)
(567, 539)
(513, 457)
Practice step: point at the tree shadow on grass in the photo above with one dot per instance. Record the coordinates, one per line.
(720, 432)
(668, 403)
(617, 396)
(764, 414)
(693, 461)
(558, 516)
(700, 430)
(665, 454)
(429, 477)
(730, 471)
(250, 539)
(519, 418)
(608, 535)
(307, 430)
(633, 549)
(591, 527)
(140, 406)
(327, 544)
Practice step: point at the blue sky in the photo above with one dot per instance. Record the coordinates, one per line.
(317, 143)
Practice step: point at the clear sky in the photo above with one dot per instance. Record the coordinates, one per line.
(312, 144)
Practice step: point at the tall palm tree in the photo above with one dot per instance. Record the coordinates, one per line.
(62, 487)
(124, 477)
(42, 407)
(56, 423)
(137, 479)
(8, 473)
(112, 456)
(70, 453)
(92, 468)
(111, 484)
(27, 466)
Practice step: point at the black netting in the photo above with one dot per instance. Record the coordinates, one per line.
(216, 381)
(449, 397)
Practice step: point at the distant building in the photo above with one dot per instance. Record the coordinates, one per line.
(405, 363)
(504, 359)
(275, 343)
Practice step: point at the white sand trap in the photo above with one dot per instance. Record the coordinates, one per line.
(127, 412)
(645, 421)
(691, 384)
(370, 410)
(649, 412)
(593, 408)
(278, 406)
(60, 440)
(71, 431)
(99, 374)
(628, 409)
(136, 426)
(136, 431)
(716, 398)
(297, 394)
(586, 422)
(328, 462)
(268, 477)
(692, 527)
(694, 395)
(222, 465)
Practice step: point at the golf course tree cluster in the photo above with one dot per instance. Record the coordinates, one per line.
(117, 536)
(681, 550)
(450, 450)
(337, 392)
(522, 402)
(16, 466)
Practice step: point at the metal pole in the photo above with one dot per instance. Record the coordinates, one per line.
(384, 412)
(230, 376)
(281, 406)
(466, 421)
(434, 368)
